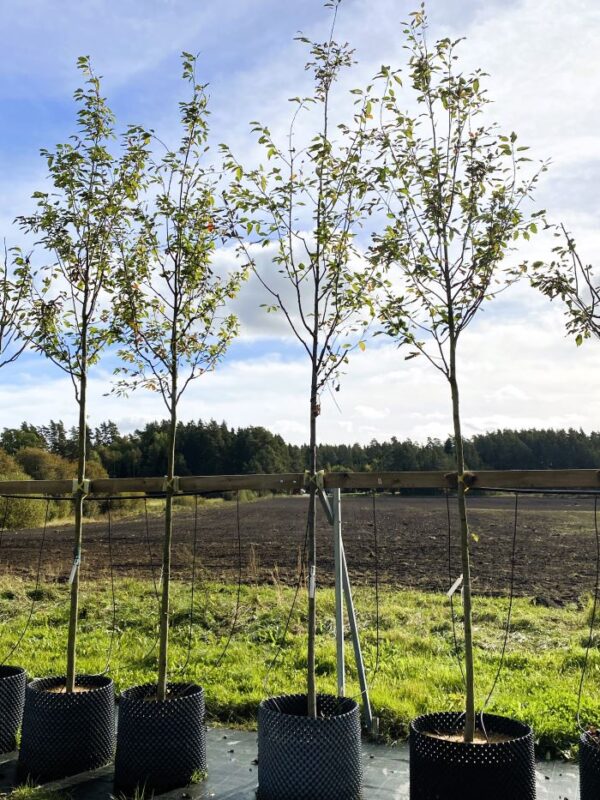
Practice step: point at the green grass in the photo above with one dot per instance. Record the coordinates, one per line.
(418, 670)
(31, 792)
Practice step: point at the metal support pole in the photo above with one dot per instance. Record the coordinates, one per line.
(360, 665)
(325, 503)
(339, 591)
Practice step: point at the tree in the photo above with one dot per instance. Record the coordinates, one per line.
(79, 224)
(13, 439)
(305, 208)
(170, 306)
(107, 434)
(18, 513)
(454, 193)
(569, 278)
(14, 286)
(55, 435)
(43, 465)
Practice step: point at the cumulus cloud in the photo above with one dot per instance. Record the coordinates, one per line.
(514, 373)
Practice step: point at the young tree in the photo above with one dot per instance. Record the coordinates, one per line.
(575, 283)
(305, 207)
(171, 303)
(14, 288)
(79, 223)
(455, 198)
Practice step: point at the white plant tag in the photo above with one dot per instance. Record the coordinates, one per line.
(312, 581)
(455, 586)
(74, 568)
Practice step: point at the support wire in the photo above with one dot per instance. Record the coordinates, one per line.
(35, 594)
(592, 619)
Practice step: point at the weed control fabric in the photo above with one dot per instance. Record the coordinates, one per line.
(67, 733)
(300, 758)
(12, 698)
(447, 770)
(161, 745)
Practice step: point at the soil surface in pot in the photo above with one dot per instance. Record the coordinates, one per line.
(62, 689)
(172, 694)
(479, 738)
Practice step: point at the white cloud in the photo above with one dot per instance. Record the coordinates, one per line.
(517, 367)
(516, 373)
(371, 412)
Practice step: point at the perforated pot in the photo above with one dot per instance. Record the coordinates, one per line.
(66, 733)
(160, 745)
(300, 758)
(445, 770)
(12, 698)
(589, 767)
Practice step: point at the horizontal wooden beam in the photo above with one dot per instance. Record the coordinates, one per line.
(386, 480)
(493, 479)
(294, 481)
(193, 483)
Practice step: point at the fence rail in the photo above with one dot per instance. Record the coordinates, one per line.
(295, 481)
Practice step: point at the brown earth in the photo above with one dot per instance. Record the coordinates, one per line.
(555, 555)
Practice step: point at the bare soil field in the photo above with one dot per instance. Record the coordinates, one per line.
(555, 554)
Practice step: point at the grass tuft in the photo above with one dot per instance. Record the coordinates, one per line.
(29, 791)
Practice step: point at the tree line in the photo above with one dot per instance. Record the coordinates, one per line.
(214, 448)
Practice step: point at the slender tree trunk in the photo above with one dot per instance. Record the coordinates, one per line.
(312, 551)
(465, 555)
(81, 463)
(163, 651)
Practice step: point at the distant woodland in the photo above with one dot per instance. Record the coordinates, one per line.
(211, 448)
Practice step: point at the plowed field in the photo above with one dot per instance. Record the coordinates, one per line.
(555, 554)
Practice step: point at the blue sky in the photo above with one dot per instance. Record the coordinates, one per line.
(519, 370)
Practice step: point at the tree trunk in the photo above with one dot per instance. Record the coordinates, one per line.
(163, 651)
(81, 463)
(465, 554)
(312, 552)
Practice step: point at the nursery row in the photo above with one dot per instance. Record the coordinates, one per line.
(417, 670)
(392, 212)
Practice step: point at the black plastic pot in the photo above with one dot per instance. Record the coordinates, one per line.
(12, 697)
(589, 767)
(64, 734)
(445, 770)
(160, 745)
(300, 758)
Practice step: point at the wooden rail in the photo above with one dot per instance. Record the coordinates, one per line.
(295, 481)
(194, 483)
(497, 479)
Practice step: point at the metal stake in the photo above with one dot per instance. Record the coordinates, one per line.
(339, 596)
(360, 664)
(336, 519)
